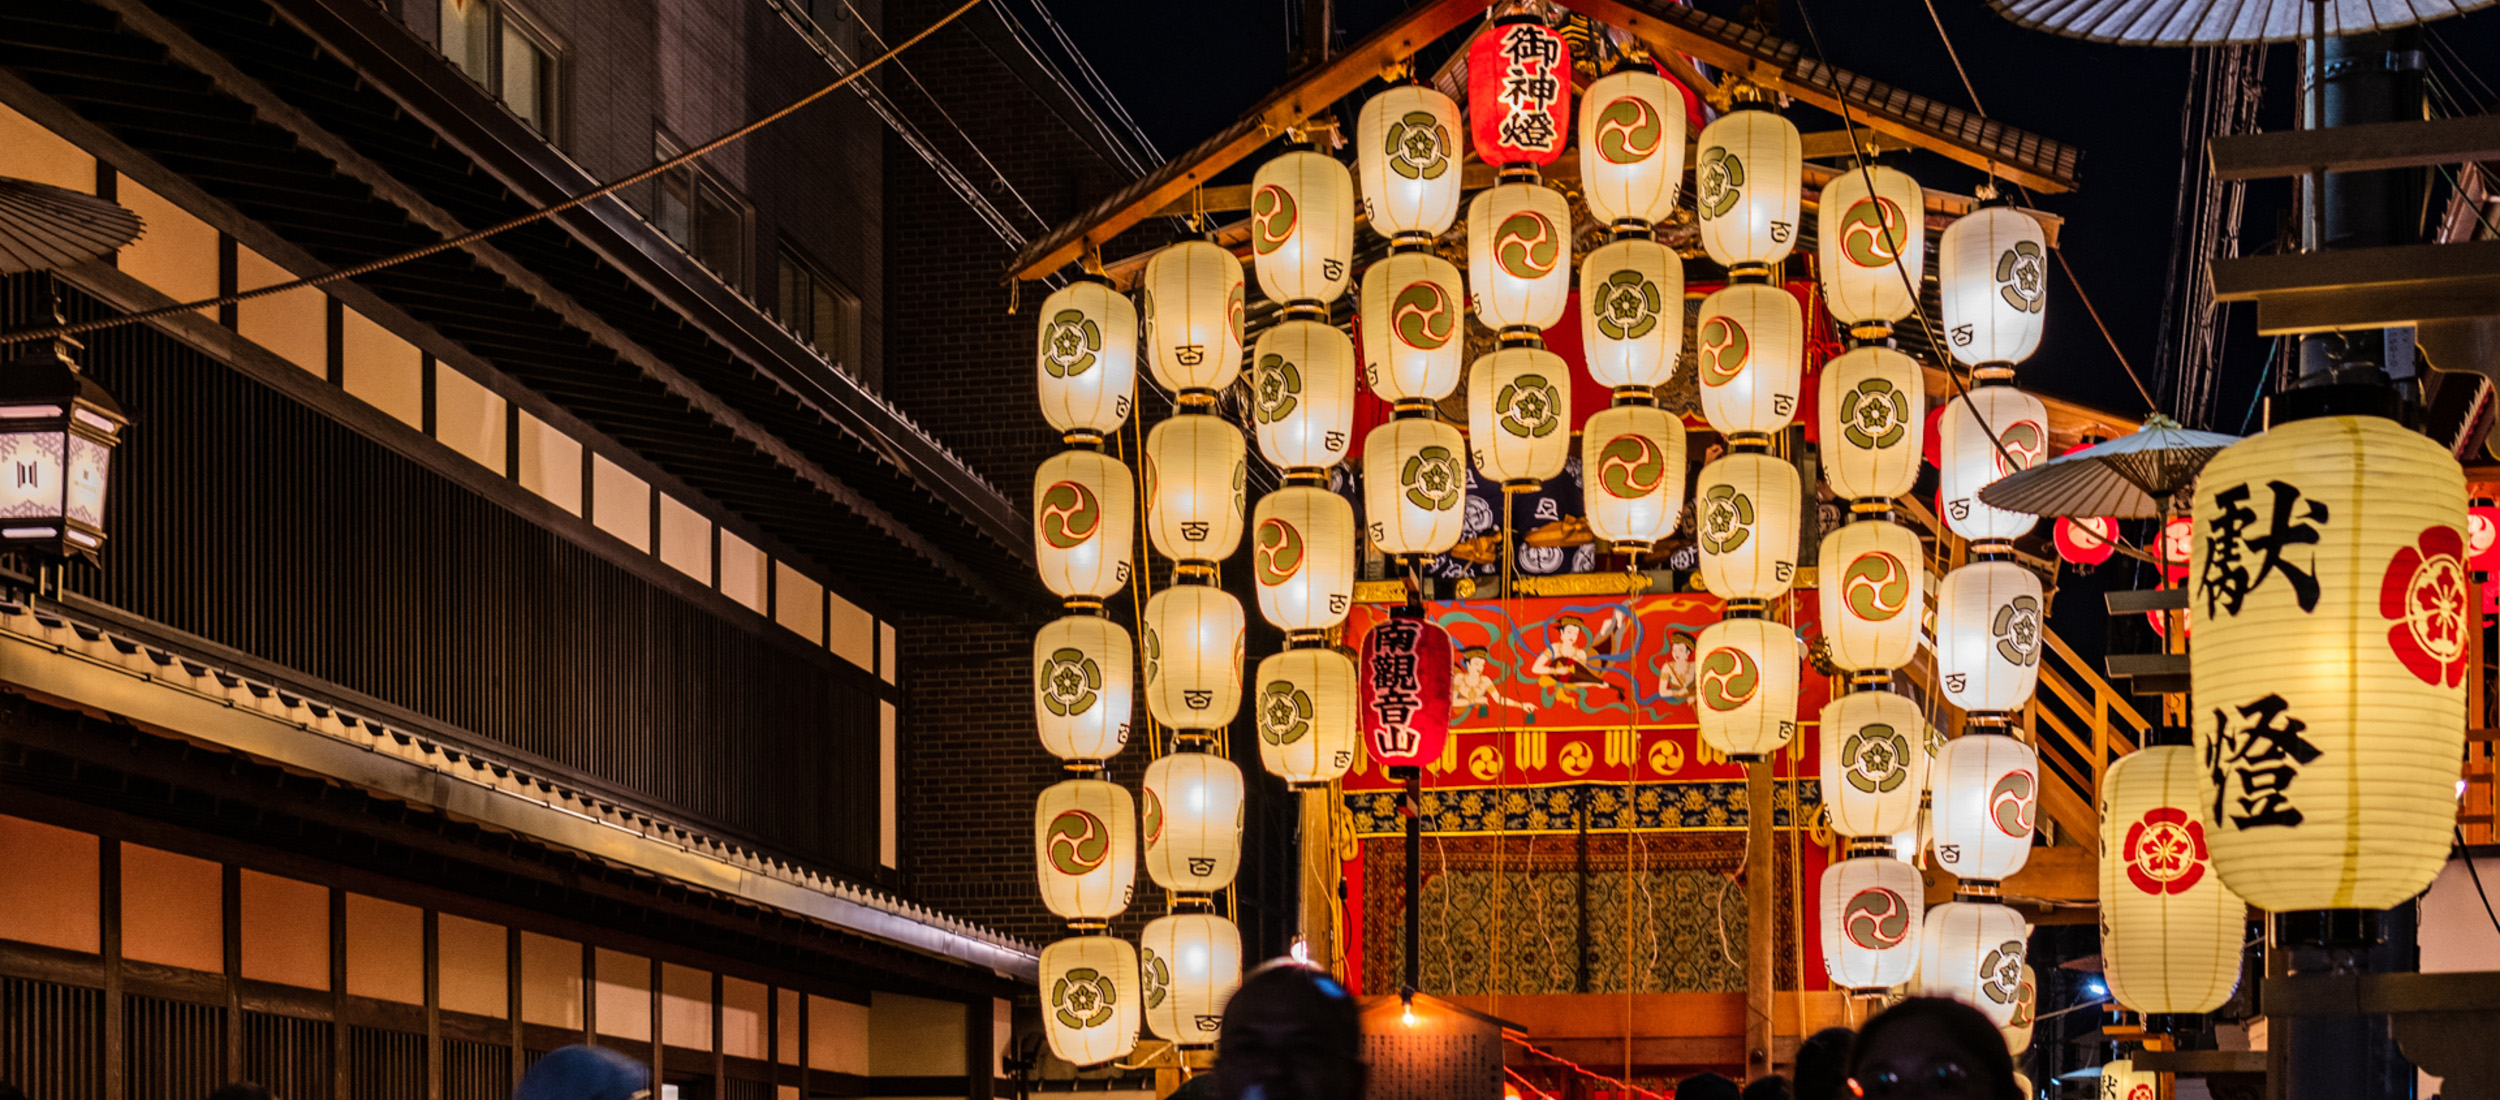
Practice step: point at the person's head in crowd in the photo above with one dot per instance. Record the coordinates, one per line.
(1822, 1070)
(1290, 1033)
(1931, 1048)
(1707, 1086)
(1773, 1087)
(580, 1072)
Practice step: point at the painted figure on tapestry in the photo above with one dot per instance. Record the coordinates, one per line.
(1571, 662)
(1675, 670)
(1475, 692)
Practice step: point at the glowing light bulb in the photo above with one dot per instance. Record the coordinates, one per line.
(1409, 1015)
(1301, 952)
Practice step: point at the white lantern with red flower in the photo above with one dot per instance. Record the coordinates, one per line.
(1992, 280)
(1631, 313)
(1191, 299)
(1414, 324)
(1984, 435)
(2170, 929)
(1874, 763)
(1519, 255)
(1519, 415)
(2120, 1080)
(1304, 700)
(1406, 145)
(1189, 964)
(1749, 354)
(1302, 556)
(1086, 362)
(1632, 475)
(1870, 414)
(1871, 239)
(1745, 675)
(1746, 517)
(1990, 631)
(1973, 953)
(1084, 671)
(1091, 1003)
(1985, 794)
(1302, 394)
(1872, 908)
(1085, 849)
(1302, 227)
(1197, 475)
(2334, 622)
(1746, 188)
(1519, 92)
(1873, 593)
(1414, 484)
(1192, 822)
(1631, 148)
(1084, 523)
(1193, 647)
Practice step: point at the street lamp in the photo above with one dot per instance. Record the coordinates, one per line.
(58, 429)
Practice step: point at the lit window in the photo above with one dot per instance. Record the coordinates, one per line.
(702, 218)
(499, 50)
(821, 312)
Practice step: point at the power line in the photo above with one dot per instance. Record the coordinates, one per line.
(351, 271)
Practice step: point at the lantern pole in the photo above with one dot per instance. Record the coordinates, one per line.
(1758, 918)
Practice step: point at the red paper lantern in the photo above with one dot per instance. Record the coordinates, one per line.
(1519, 93)
(2086, 540)
(2176, 537)
(2482, 536)
(1405, 675)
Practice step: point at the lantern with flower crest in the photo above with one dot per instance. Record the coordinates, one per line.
(1305, 705)
(1870, 412)
(1189, 964)
(1990, 618)
(1746, 516)
(2017, 1031)
(1091, 1003)
(1631, 313)
(1414, 481)
(2085, 541)
(1084, 669)
(1086, 365)
(1519, 415)
(1874, 762)
(1191, 301)
(1746, 186)
(2171, 930)
(1973, 953)
(1302, 393)
(1406, 146)
(1992, 281)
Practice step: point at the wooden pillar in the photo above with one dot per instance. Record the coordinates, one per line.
(1320, 872)
(1759, 916)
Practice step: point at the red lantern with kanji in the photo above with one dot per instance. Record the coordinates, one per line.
(1405, 679)
(1519, 93)
(2086, 540)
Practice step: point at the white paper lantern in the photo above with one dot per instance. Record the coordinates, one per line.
(1406, 142)
(1414, 483)
(1306, 710)
(1992, 268)
(2334, 614)
(1972, 459)
(1302, 227)
(1872, 247)
(1749, 350)
(1190, 964)
(1196, 474)
(1986, 800)
(1091, 1004)
(1519, 255)
(1873, 577)
(1745, 685)
(1302, 555)
(1746, 518)
(2120, 1080)
(1085, 849)
(1086, 359)
(2017, 1031)
(1990, 619)
(1302, 394)
(1631, 147)
(1870, 416)
(1973, 953)
(1632, 474)
(1746, 188)
(1193, 651)
(1519, 415)
(1191, 298)
(1193, 822)
(1874, 763)
(1872, 908)
(1631, 313)
(1414, 323)
(1084, 672)
(1084, 523)
(2170, 928)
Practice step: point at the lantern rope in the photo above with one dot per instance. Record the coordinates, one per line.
(351, 271)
